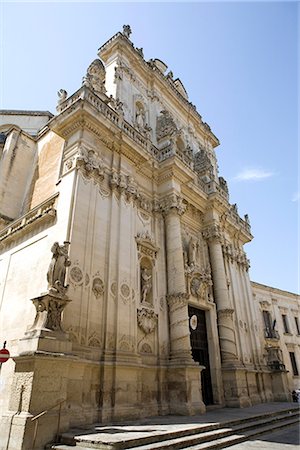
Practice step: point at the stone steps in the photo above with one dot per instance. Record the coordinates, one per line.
(183, 436)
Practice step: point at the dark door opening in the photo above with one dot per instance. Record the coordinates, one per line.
(200, 353)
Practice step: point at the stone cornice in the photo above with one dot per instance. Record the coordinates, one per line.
(42, 213)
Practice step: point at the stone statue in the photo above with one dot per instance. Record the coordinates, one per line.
(140, 117)
(57, 269)
(127, 31)
(146, 284)
(62, 95)
(192, 252)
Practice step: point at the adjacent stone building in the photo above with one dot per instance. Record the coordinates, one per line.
(123, 277)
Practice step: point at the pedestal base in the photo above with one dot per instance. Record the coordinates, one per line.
(184, 387)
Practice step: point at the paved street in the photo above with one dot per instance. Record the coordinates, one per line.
(287, 438)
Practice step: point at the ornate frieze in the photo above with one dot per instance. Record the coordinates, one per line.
(147, 320)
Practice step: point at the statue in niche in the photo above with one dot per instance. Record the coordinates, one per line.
(192, 251)
(146, 284)
(140, 118)
(57, 269)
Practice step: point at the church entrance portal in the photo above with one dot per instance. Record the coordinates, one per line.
(200, 354)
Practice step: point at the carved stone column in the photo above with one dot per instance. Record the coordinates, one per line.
(184, 375)
(179, 328)
(177, 298)
(224, 308)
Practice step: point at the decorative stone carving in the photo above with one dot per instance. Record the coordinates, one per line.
(57, 270)
(212, 232)
(113, 288)
(201, 283)
(49, 308)
(94, 340)
(203, 165)
(146, 348)
(95, 77)
(140, 51)
(172, 203)
(236, 254)
(177, 300)
(127, 31)
(165, 125)
(125, 290)
(146, 246)
(76, 274)
(147, 320)
(98, 287)
(224, 313)
(126, 343)
(90, 163)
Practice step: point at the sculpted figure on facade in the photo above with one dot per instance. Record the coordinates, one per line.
(57, 270)
(140, 116)
(127, 31)
(146, 284)
(62, 95)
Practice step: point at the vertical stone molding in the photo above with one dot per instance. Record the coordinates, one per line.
(224, 309)
(179, 328)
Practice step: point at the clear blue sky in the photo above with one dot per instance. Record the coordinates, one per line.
(238, 62)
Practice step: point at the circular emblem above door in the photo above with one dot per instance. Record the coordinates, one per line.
(193, 322)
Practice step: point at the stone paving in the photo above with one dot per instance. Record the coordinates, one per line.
(285, 439)
(124, 431)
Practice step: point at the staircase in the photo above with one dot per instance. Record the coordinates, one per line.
(192, 436)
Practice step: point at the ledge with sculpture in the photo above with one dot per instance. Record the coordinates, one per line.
(46, 333)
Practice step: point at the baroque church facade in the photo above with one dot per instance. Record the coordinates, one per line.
(124, 280)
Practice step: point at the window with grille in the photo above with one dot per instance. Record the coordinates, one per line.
(294, 364)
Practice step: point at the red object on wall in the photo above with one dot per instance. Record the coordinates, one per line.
(4, 355)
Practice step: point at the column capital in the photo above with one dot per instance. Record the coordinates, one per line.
(212, 233)
(177, 300)
(172, 203)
